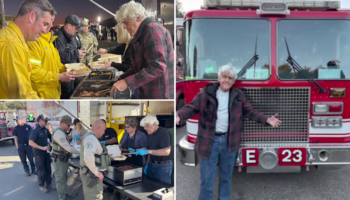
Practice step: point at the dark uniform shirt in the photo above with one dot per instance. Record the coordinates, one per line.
(22, 133)
(159, 140)
(39, 135)
(109, 134)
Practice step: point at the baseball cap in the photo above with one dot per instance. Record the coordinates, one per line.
(40, 117)
(20, 117)
(75, 21)
(66, 119)
(76, 120)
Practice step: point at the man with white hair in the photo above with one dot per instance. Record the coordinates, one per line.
(21, 134)
(159, 163)
(221, 109)
(152, 55)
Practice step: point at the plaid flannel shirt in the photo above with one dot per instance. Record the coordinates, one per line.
(152, 57)
(206, 104)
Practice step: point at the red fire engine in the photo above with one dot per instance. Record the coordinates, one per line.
(5, 131)
(292, 58)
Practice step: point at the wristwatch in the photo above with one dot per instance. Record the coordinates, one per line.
(42, 148)
(150, 151)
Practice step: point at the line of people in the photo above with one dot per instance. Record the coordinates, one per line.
(32, 59)
(151, 151)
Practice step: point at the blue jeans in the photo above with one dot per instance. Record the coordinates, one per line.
(208, 170)
(134, 94)
(160, 172)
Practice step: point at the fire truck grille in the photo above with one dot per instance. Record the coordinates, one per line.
(292, 106)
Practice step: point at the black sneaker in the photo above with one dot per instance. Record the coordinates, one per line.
(28, 173)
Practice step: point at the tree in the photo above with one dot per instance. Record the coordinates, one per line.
(14, 105)
(3, 106)
(179, 9)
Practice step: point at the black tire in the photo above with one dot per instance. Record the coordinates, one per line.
(179, 105)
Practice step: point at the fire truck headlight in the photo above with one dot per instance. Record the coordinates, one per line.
(334, 122)
(327, 122)
(320, 108)
(319, 122)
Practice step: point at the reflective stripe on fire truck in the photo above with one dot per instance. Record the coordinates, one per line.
(344, 131)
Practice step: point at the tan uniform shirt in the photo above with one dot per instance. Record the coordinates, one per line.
(60, 138)
(91, 147)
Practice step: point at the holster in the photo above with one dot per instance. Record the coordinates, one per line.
(92, 179)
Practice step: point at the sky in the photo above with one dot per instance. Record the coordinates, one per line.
(82, 8)
(189, 5)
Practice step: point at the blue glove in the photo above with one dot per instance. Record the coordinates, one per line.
(131, 150)
(141, 152)
(103, 142)
(76, 137)
(145, 169)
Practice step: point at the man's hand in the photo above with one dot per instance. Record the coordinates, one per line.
(141, 152)
(46, 148)
(82, 53)
(101, 51)
(177, 119)
(119, 86)
(107, 65)
(131, 150)
(100, 176)
(273, 121)
(66, 77)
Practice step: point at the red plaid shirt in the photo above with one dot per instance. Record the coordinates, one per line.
(206, 104)
(152, 57)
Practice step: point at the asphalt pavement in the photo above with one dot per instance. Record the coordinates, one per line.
(312, 185)
(16, 185)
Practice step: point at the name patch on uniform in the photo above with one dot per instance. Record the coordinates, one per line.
(62, 139)
(89, 145)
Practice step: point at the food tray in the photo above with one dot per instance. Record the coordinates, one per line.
(103, 59)
(107, 55)
(97, 65)
(102, 75)
(75, 66)
(116, 59)
(121, 157)
(86, 86)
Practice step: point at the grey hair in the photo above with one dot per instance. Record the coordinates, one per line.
(228, 69)
(131, 10)
(39, 7)
(149, 119)
(123, 36)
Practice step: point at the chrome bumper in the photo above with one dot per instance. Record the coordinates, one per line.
(7, 138)
(321, 155)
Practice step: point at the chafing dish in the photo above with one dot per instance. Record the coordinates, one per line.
(93, 90)
(125, 173)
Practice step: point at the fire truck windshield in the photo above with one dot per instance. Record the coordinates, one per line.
(212, 43)
(321, 47)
